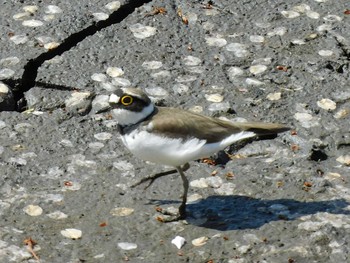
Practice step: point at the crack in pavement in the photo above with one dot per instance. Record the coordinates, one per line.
(31, 68)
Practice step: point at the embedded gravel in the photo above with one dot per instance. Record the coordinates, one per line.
(65, 176)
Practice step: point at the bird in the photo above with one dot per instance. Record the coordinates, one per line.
(173, 136)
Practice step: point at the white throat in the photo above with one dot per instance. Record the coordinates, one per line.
(127, 117)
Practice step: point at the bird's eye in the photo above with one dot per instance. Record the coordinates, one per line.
(126, 100)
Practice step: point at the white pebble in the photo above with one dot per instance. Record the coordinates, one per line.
(262, 61)
(238, 49)
(156, 92)
(199, 183)
(215, 41)
(180, 88)
(141, 31)
(199, 241)
(298, 42)
(95, 145)
(9, 61)
(53, 9)
(257, 69)
(103, 136)
(344, 159)
(21, 16)
(196, 109)
(71, 233)
(221, 106)
(214, 181)
(127, 245)
(254, 82)
(152, 64)
(332, 18)
(99, 77)
(121, 211)
(17, 160)
(123, 166)
(178, 242)
(100, 102)
(32, 23)
(33, 210)
(114, 72)
(77, 98)
(185, 78)
(4, 89)
(100, 16)
(51, 45)
(19, 39)
(306, 120)
(66, 143)
(57, 215)
(338, 115)
(327, 104)
(121, 82)
(290, 14)
(161, 74)
(324, 27)
(194, 198)
(311, 226)
(2, 124)
(302, 8)
(321, 1)
(274, 96)
(226, 189)
(108, 86)
(325, 53)
(214, 97)
(6, 73)
(30, 8)
(192, 61)
(256, 39)
(234, 72)
(312, 14)
(113, 6)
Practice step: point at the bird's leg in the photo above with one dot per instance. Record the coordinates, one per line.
(182, 209)
(153, 177)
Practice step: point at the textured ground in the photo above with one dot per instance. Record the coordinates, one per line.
(62, 166)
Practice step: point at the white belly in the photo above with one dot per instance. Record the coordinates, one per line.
(174, 152)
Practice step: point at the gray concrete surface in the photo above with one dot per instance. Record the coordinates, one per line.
(62, 166)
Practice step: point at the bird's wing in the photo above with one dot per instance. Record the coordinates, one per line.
(176, 123)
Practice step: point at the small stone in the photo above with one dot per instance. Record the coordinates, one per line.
(53, 9)
(298, 42)
(234, 72)
(332, 18)
(262, 61)
(312, 14)
(66, 143)
(33, 210)
(226, 189)
(274, 96)
(325, 53)
(18, 161)
(141, 31)
(254, 82)
(96, 145)
(19, 39)
(156, 92)
(178, 241)
(51, 45)
(214, 97)
(214, 181)
(4, 89)
(21, 16)
(192, 61)
(108, 86)
(215, 41)
(311, 226)
(220, 106)
(342, 113)
(113, 6)
(257, 69)
(344, 159)
(196, 109)
(2, 124)
(123, 165)
(327, 104)
(99, 77)
(121, 82)
(194, 198)
(306, 119)
(114, 72)
(278, 31)
(103, 136)
(57, 215)
(185, 78)
(30, 8)
(199, 241)
(239, 50)
(32, 23)
(199, 183)
(78, 99)
(290, 14)
(152, 64)
(180, 88)
(161, 74)
(127, 245)
(100, 16)
(71, 233)
(324, 27)
(121, 211)
(256, 39)
(100, 103)
(302, 8)
(6, 73)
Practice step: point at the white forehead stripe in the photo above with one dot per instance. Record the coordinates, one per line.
(113, 98)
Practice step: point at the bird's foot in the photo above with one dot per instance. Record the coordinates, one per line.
(171, 215)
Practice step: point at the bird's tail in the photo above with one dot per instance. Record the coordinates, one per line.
(261, 128)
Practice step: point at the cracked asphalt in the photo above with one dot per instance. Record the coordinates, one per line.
(65, 176)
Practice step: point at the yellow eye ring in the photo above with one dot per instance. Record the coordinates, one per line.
(126, 100)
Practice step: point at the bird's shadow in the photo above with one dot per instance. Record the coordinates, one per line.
(243, 212)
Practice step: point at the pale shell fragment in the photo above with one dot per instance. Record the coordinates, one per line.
(30, 8)
(290, 14)
(141, 31)
(274, 96)
(257, 69)
(199, 241)
(327, 104)
(114, 72)
(127, 245)
(122, 211)
(214, 97)
(71, 233)
(113, 6)
(178, 241)
(325, 53)
(32, 23)
(33, 210)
